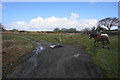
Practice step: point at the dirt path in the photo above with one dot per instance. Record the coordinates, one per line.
(62, 62)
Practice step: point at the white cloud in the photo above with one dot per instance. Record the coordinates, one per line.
(50, 23)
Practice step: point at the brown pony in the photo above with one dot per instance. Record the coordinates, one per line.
(100, 38)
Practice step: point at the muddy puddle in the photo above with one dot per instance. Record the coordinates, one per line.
(38, 49)
(29, 65)
(33, 60)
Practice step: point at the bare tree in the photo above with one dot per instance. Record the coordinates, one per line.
(108, 22)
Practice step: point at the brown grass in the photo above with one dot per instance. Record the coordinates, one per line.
(12, 53)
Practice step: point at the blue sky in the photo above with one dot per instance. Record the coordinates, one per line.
(13, 12)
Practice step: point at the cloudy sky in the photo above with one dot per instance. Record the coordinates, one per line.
(49, 15)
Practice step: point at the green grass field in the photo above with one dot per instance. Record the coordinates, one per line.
(106, 59)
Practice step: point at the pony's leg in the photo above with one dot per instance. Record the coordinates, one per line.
(97, 44)
(103, 44)
(107, 46)
(108, 42)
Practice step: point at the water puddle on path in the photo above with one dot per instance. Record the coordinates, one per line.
(38, 49)
(33, 60)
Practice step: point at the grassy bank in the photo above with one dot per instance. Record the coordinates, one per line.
(106, 59)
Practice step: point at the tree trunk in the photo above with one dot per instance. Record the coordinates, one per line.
(108, 30)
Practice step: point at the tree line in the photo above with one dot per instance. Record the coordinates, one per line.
(65, 30)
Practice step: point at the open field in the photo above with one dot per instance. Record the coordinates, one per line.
(106, 59)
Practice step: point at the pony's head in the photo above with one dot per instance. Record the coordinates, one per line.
(92, 35)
